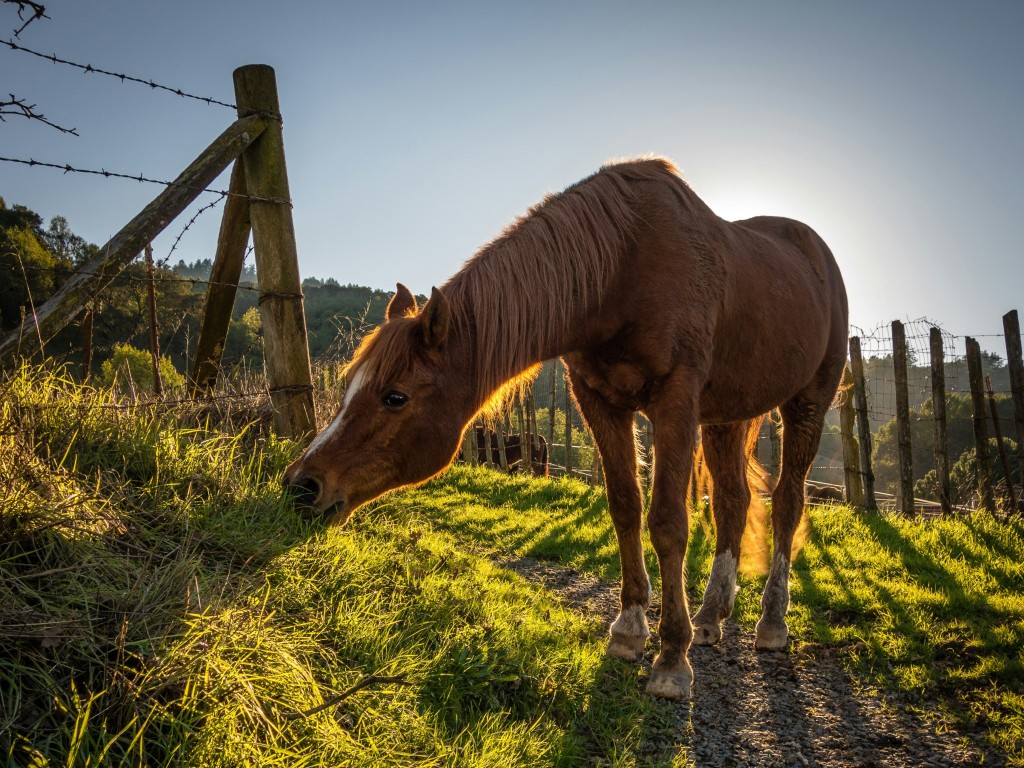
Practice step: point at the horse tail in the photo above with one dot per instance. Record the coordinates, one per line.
(756, 543)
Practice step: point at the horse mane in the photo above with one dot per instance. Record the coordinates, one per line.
(516, 296)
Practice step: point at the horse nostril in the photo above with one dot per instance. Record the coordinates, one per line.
(304, 490)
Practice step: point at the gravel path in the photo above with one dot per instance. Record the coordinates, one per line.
(781, 708)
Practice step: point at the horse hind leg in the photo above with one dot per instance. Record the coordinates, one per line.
(726, 460)
(802, 421)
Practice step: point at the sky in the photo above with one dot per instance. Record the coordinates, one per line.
(414, 132)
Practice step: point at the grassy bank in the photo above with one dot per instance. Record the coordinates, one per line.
(161, 605)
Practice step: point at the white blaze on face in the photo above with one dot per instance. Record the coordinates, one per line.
(350, 392)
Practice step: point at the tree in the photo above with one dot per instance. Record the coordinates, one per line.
(27, 268)
(133, 366)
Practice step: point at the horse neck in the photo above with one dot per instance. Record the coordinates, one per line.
(494, 346)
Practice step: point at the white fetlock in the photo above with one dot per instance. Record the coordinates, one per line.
(629, 634)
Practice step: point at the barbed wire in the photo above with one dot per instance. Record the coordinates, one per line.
(67, 168)
(194, 281)
(89, 68)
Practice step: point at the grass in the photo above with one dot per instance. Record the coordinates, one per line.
(162, 605)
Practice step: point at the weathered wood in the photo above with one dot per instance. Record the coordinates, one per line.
(469, 448)
(118, 252)
(500, 432)
(851, 453)
(87, 323)
(154, 326)
(235, 228)
(1011, 327)
(983, 464)
(551, 409)
(775, 457)
(568, 428)
(285, 345)
(1011, 492)
(905, 484)
(939, 419)
(860, 402)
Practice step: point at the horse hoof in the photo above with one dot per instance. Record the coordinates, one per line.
(771, 638)
(708, 634)
(627, 647)
(671, 684)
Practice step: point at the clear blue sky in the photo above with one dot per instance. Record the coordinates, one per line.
(415, 131)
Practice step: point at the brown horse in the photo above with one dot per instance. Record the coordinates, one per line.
(655, 304)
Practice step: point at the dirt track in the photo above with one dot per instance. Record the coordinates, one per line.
(781, 708)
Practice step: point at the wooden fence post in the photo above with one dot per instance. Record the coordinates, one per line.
(551, 408)
(154, 328)
(1011, 492)
(235, 228)
(500, 431)
(775, 460)
(983, 465)
(568, 428)
(1011, 327)
(469, 446)
(285, 345)
(851, 454)
(87, 322)
(860, 401)
(905, 487)
(939, 411)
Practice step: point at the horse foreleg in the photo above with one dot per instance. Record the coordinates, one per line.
(612, 429)
(674, 440)
(724, 453)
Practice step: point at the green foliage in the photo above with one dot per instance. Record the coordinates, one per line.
(130, 366)
(959, 433)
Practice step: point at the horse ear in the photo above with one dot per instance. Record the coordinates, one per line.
(401, 303)
(435, 319)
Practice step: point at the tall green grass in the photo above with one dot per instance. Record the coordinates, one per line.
(162, 605)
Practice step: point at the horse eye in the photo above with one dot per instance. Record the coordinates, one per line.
(394, 400)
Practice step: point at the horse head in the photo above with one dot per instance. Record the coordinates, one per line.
(402, 416)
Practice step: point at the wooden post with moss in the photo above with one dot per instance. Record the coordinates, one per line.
(285, 346)
(983, 462)
(154, 327)
(905, 486)
(860, 402)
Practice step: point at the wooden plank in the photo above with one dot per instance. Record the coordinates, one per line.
(285, 345)
(860, 402)
(939, 419)
(568, 428)
(983, 465)
(905, 485)
(61, 308)
(235, 228)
